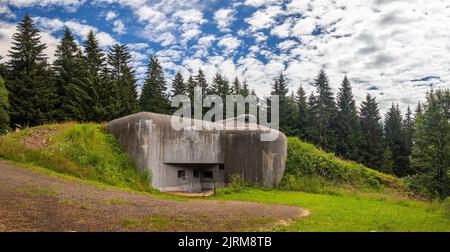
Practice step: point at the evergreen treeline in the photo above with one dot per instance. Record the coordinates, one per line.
(86, 84)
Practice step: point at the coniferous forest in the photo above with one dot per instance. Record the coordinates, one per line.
(86, 84)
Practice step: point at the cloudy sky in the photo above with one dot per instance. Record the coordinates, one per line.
(393, 49)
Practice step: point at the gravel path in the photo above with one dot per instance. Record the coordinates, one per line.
(33, 201)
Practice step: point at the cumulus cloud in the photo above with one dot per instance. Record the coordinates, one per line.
(229, 43)
(70, 5)
(395, 50)
(224, 18)
(111, 15)
(82, 30)
(119, 27)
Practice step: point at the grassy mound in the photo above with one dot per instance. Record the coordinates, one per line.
(310, 169)
(85, 151)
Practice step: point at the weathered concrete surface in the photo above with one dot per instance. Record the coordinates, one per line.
(219, 148)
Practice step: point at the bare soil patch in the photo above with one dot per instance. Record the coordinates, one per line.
(38, 138)
(33, 201)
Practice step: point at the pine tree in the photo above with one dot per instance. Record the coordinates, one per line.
(311, 130)
(154, 98)
(123, 94)
(95, 64)
(68, 68)
(84, 103)
(245, 91)
(388, 162)
(431, 151)
(419, 109)
(190, 86)
(221, 87)
(178, 85)
(371, 146)
(94, 56)
(393, 130)
(201, 82)
(302, 114)
(3, 68)
(291, 116)
(32, 94)
(4, 106)
(237, 90)
(408, 133)
(347, 123)
(280, 88)
(325, 108)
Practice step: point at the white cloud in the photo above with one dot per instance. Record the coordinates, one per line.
(119, 27)
(69, 5)
(264, 18)
(111, 15)
(229, 43)
(82, 30)
(224, 18)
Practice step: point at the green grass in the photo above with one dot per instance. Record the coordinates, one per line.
(85, 151)
(313, 170)
(341, 195)
(152, 223)
(366, 212)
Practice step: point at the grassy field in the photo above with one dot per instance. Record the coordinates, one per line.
(85, 151)
(341, 195)
(365, 212)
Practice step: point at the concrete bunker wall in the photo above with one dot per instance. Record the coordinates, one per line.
(184, 160)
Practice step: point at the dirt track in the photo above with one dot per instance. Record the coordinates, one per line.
(33, 201)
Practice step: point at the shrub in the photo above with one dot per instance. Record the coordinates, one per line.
(236, 185)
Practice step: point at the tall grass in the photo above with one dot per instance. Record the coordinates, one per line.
(310, 169)
(86, 151)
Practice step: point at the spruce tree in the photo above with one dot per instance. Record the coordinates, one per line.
(4, 106)
(190, 86)
(245, 91)
(3, 68)
(325, 108)
(221, 87)
(178, 85)
(94, 56)
(371, 148)
(68, 68)
(95, 63)
(291, 120)
(393, 130)
(388, 162)
(237, 90)
(419, 109)
(431, 151)
(347, 123)
(154, 98)
(83, 102)
(201, 82)
(31, 91)
(408, 133)
(312, 134)
(123, 83)
(302, 114)
(280, 88)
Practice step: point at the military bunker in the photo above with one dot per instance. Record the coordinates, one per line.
(198, 160)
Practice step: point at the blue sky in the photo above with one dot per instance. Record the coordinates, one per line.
(395, 50)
